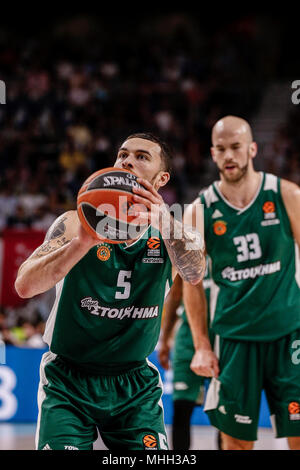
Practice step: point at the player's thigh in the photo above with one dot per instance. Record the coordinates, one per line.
(186, 384)
(283, 386)
(233, 399)
(137, 417)
(62, 424)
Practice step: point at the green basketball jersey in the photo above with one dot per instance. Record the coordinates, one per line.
(108, 308)
(255, 291)
(184, 346)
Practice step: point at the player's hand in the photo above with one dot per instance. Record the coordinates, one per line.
(150, 205)
(205, 363)
(85, 239)
(163, 356)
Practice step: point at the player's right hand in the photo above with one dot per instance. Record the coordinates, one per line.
(205, 363)
(163, 356)
(86, 239)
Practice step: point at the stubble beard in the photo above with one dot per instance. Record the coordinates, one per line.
(238, 176)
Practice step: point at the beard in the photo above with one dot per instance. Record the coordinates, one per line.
(236, 175)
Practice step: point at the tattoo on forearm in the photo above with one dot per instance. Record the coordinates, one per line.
(185, 247)
(54, 239)
(48, 246)
(57, 231)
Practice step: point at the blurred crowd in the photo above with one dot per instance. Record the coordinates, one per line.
(77, 89)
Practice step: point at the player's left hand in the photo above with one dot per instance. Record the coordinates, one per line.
(150, 205)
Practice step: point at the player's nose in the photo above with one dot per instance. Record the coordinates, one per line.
(127, 163)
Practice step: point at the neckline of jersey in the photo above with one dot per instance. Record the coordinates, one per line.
(240, 210)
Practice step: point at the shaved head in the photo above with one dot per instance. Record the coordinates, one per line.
(230, 126)
(233, 148)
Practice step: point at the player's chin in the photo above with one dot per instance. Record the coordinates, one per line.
(232, 175)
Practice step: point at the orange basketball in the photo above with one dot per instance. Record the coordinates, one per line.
(104, 205)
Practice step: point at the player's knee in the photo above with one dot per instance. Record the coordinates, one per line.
(230, 443)
(294, 443)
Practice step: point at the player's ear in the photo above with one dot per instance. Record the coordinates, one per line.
(163, 178)
(253, 149)
(212, 152)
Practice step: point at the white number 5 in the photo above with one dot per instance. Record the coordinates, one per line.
(123, 275)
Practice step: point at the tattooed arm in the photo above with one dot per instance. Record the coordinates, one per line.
(65, 244)
(184, 241)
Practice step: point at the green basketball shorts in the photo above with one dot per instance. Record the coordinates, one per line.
(186, 384)
(126, 408)
(246, 368)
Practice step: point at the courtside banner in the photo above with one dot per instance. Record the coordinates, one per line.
(16, 246)
(19, 379)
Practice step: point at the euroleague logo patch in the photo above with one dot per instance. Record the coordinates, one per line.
(103, 253)
(269, 214)
(220, 227)
(294, 411)
(268, 207)
(153, 243)
(150, 442)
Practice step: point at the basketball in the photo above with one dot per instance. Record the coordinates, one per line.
(104, 204)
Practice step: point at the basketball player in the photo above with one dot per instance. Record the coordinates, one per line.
(106, 318)
(252, 235)
(188, 387)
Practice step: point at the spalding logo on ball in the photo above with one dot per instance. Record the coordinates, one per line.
(104, 205)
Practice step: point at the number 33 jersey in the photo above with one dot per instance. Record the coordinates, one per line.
(108, 308)
(255, 291)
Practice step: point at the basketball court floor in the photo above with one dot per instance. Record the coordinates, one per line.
(21, 437)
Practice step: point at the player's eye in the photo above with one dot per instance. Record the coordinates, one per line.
(122, 155)
(141, 156)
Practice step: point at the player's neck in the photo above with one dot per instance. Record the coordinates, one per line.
(242, 192)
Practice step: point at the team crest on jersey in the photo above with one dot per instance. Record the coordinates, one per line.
(103, 252)
(220, 227)
(269, 211)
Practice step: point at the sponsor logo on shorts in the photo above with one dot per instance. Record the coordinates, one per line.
(250, 273)
(242, 419)
(222, 410)
(71, 448)
(103, 252)
(220, 227)
(47, 447)
(294, 411)
(150, 442)
(180, 386)
(94, 308)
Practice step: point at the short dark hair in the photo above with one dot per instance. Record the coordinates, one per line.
(165, 150)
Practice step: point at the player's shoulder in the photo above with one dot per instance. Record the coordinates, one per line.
(290, 193)
(289, 188)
